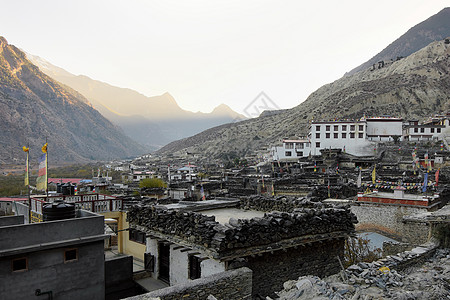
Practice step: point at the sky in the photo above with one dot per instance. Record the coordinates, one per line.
(207, 52)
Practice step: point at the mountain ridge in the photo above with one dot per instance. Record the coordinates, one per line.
(34, 107)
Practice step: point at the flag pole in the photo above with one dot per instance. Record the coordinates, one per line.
(28, 185)
(46, 169)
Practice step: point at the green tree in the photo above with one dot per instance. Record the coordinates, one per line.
(152, 183)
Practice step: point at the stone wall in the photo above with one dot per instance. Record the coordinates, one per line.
(235, 284)
(318, 259)
(388, 219)
(224, 239)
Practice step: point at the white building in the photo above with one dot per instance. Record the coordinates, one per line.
(347, 135)
(188, 173)
(356, 137)
(384, 129)
(291, 150)
(434, 129)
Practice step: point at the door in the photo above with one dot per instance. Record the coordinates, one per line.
(164, 262)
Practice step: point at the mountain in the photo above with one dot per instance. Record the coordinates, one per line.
(152, 121)
(434, 28)
(34, 107)
(413, 87)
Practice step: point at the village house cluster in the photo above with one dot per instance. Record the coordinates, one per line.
(230, 230)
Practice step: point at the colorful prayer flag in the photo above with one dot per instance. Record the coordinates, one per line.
(27, 180)
(202, 193)
(425, 183)
(41, 181)
(44, 148)
(358, 182)
(374, 174)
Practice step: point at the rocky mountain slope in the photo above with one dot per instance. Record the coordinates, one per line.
(34, 107)
(152, 121)
(434, 28)
(414, 87)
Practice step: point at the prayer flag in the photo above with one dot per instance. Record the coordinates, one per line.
(41, 181)
(425, 183)
(27, 180)
(374, 174)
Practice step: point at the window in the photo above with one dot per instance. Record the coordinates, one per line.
(317, 135)
(336, 127)
(344, 135)
(300, 145)
(432, 130)
(70, 255)
(360, 127)
(360, 135)
(344, 127)
(422, 130)
(137, 236)
(317, 127)
(19, 264)
(352, 127)
(416, 129)
(352, 135)
(288, 153)
(317, 144)
(195, 270)
(300, 153)
(327, 135)
(289, 145)
(335, 135)
(438, 130)
(327, 128)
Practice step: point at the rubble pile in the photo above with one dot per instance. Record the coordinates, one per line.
(273, 227)
(427, 280)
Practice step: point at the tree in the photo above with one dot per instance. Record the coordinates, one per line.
(358, 250)
(152, 183)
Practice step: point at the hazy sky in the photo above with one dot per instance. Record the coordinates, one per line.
(209, 52)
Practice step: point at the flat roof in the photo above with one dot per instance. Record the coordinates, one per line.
(405, 196)
(223, 215)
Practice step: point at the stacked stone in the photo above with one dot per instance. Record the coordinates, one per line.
(194, 227)
(272, 228)
(283, 204)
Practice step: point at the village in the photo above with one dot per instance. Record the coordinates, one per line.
(281, 223)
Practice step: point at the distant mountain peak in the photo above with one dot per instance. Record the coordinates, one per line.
(221, 108)
(3, 42)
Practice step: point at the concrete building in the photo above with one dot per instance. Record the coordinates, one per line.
(349, 136)
(292, 150)
(137, 176)
(384, 129)
(61, 259)
(434, 129)
(187, 173)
